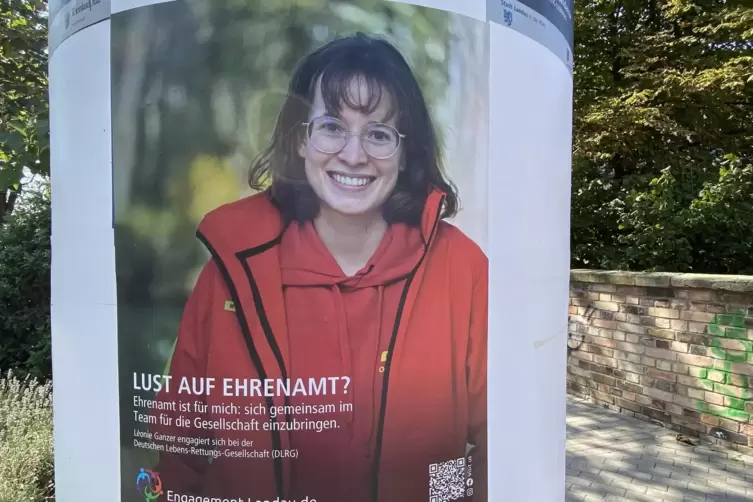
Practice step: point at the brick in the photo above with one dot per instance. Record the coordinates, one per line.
(698, 372)
(604, 342)
(618, 335)
(681, 293)
(736, 356)
(630, 387)
(694, 360)
(663, 375)
(733, 332)
(600, 396)
(696, 327)
(607, 306)
(605, 297)
(631, 300)
(605, 361)
(694, 339)
(630, 396)
(716, 376)
(704, 317)
(604, 288)
(697, 307)
(664, 312)
(679, 346)
(664, 365)
(685, 402)
(655, 414)
(592, 296)
(630, 347)
(741, 369)
(693, 382)
(667, 355)
(664, 385)
(631, 328)
(632, 338)
(678, 304)
(658, 394)
(603, 379)
(604, 323)
(631, 290)
(678, 325)
(747, 430)
(729, 390)
(619, 298)
(694, 393)
(741, 345)
(701, 295)
(633, 377)
(648, 361)
(628, 405)
(661, 333)
(628, 366)
(739, 380)
(733, 402)
(643, 400)
(730, 425)
(680, 368)
(713, 398)
(660, 322)
(716, 308)
(710, 420)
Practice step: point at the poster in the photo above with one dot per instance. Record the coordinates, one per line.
(299, 211)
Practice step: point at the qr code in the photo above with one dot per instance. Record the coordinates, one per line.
(447, 480)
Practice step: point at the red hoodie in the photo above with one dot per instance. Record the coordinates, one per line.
(408, 330)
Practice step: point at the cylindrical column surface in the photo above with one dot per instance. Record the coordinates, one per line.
(310, 250)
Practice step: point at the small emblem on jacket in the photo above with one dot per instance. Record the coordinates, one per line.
(384, 357)
(229, 306)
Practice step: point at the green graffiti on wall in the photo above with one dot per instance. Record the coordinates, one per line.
(732, 353)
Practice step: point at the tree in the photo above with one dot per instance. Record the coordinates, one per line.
(25, 287)
(663, 135)
(24, 121)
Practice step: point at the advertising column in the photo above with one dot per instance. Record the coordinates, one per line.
(323, 251)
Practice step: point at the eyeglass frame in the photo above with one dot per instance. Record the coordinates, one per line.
(348, 133)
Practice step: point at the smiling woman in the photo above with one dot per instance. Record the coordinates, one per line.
(343, 265)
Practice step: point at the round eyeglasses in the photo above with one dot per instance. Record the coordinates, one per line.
(330, 135)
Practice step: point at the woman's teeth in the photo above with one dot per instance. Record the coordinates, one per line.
(353, 182)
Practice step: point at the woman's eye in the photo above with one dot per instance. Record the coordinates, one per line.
(379, 136)
(331, 127)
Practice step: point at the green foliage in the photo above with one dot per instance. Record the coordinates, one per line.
(26, 443)
(25, 287)
(663, 135)
(24, 123)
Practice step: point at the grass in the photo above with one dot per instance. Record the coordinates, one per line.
(26, 444)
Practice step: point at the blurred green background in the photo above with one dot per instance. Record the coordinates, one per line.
(196, 88)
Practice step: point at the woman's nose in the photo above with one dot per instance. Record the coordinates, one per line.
(353, 152)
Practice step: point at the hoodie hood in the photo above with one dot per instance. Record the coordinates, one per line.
(305, 260)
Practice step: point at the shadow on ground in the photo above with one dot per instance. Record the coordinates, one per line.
(611, 456)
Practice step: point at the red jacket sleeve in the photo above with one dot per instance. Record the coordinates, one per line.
(183, 472)
(477, 382)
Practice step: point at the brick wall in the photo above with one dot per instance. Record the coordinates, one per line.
(671, 348)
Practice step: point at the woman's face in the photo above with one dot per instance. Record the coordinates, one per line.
(351, 182)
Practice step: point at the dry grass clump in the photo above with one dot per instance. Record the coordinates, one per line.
(26, 445)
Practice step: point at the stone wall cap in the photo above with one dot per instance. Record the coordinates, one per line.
(734, 283)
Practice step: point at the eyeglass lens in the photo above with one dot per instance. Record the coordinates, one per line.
(329, 135)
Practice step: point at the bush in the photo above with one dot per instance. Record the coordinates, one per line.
(25, 287)
(26, 445)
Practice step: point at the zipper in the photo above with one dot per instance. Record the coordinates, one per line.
(390, 351)
(255, 358)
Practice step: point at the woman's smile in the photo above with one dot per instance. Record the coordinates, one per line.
(351, 182)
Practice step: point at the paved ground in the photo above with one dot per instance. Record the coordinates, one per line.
(611, 456)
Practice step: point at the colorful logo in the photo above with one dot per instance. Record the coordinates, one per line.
(149, 484)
